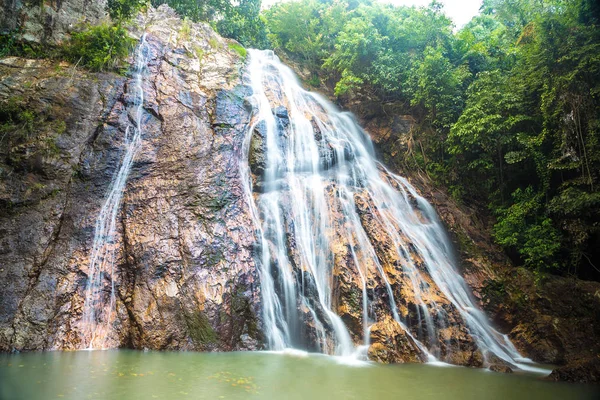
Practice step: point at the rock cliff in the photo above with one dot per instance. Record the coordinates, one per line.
(50, 21)
(184, 275)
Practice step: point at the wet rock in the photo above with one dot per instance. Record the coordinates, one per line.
(37, 166)
(282, 118)
(391, 344)
(327, 156)
(282, 113)
(231, 109)
(553, 320)
(257, 157)
(316, 129)
(579, 371)
(504, 369)
(184, 270)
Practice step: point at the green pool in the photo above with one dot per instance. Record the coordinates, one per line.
(132, 375)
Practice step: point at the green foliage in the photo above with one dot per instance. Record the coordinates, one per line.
(238, 20)
(524, 226)
(11, 46)
(213, 43)
(507, 108)
(361, 46)
(26, 133)
(8, 45)
(100, 48)
(196, 10)
(120, 10)
(243, 23)
(437, 86)
(185, 30)
(16, 121)
(240, 50)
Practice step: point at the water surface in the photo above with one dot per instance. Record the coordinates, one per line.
(133, 375)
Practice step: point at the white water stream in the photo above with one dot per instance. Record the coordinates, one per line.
(99, 306)
(317, 160)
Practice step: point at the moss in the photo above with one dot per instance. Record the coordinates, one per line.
(185, 30)
(214, 256)
(60, 127)
(200, 329)
(199, 53)
(493, 292)
(353, 300)
(239, 49)
(25, 133)
(17, 122)
(51, 149)
(214, 43)
(77, 173)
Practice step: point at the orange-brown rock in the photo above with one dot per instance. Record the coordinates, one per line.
(390, 344)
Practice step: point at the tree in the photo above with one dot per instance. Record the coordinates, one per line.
(120, 10)
(239, 20)
(508, 108)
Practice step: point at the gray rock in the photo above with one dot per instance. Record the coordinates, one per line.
(49, 21)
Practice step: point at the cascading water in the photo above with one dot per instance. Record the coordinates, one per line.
(309, 167)
(99, 306)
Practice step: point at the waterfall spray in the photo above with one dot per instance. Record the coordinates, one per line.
(317, 162)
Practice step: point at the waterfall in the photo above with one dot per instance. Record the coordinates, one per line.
(313, 185)
(99, 307)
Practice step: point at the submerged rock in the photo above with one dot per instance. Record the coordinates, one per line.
(504, 369)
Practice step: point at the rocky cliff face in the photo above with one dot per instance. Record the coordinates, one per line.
(49, 21)
(184, 275)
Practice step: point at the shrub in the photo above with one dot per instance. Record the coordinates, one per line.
(238, 49)
(10, 45)
(100, 48)
(120, 10)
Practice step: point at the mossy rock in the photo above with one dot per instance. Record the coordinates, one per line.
(200, 329)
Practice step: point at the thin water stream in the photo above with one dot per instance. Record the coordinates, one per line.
(99, 305)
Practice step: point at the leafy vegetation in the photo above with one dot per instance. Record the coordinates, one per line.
(239, 20)
(100, 48)
(121, 10)
(508, 107)
(26, 133)
(104, 47)
(10, 46)
(240, 50)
